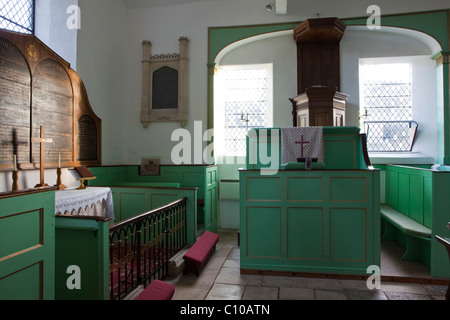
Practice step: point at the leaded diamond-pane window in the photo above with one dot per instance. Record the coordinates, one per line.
(246, 105)
(17, 15)
(386, 101)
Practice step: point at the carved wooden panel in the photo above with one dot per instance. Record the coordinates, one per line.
(38, 88)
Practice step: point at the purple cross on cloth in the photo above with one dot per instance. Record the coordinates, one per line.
(301, 142)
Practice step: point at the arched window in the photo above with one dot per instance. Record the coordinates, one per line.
(243, 101)
(17, 15)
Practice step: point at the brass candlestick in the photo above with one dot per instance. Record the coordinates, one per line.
(58, 180)
(15, 176)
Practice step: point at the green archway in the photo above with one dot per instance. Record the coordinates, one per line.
(435, 24)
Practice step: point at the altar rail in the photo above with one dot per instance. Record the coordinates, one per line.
(140, 247)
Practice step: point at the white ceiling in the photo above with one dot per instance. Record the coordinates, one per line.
(158, 3)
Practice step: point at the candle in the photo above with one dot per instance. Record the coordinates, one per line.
(15, 163)
(59, 161)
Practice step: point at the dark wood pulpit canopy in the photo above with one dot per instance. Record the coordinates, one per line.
(38, 89)
(319, 102)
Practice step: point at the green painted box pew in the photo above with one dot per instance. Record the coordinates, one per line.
(131, 201)
(325, 220)
(84, 241)
(421, 195)
(82, 258)
(27, 245)
(203, 177)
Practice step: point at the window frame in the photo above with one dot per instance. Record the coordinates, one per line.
(364, 117)
(219, 109)
(33, 21)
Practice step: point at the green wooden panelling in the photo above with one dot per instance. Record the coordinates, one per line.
(305, 234)
(340, 186)
(422, 195)
(204, 178)
(342, 149)
(83, 243)
(285, 230)
(27, 237)
(132, 201)
(305, 189)
(264, 229)
(344, 245)
(267, 188)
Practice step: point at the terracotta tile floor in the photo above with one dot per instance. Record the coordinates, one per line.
(221, 280)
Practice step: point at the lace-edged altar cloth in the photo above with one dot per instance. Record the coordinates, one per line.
(92, 201)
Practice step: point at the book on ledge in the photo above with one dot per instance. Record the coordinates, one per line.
(84, 172)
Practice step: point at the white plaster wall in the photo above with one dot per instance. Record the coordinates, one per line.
(281, 51)
(164, 25)
(51, 28)
(102, 44)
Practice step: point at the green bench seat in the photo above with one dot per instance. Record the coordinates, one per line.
(415, 232)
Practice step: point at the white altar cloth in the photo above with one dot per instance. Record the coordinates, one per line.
(92, 201)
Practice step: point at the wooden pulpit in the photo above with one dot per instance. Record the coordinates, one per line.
(319, 106)
(319, 102)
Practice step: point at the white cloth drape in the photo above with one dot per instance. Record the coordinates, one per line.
(92, 201)
(296, 139)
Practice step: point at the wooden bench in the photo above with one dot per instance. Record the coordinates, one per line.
(157, 290)
(415, 232)
(197, 255)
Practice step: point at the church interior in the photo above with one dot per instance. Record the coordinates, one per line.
(258, 149)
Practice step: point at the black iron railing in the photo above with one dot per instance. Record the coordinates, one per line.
(390, 135)
(140, 247)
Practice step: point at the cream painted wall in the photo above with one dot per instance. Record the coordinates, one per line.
(121, 84)
(102, 50)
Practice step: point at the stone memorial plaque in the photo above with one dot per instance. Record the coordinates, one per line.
(165, 88)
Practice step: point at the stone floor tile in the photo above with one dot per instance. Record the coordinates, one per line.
(221, 291)
(234, 276)
(204, 280)
(404, 287)
(288, 293)
(366, 294)
(231, 264)
(391, 295)
(354, 284)
(436, 289)
(260, 293)
(189, 293)
(321, 294)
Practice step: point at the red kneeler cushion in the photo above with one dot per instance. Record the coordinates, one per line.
(198, 253)
(209, 237)
(157, 290)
